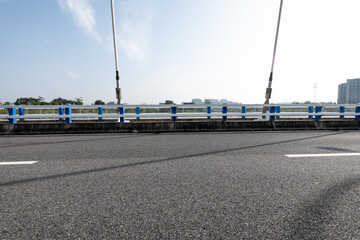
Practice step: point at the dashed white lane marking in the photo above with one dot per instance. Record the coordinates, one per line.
(322, 155)
(18, 163)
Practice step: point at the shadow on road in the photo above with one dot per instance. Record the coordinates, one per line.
(311, 220)
(123, 136)
(77, 173)
(336, 149)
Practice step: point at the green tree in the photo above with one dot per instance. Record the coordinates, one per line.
(169, 102)
(63, 101)
(60, 101)
(306, 102)
(79, 101)
(99, 102)
(30, 101)
(207, 102)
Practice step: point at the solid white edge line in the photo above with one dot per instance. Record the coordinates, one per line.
(322, 155)
(18, 163)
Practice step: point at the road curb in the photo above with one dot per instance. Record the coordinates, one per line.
(181, 126)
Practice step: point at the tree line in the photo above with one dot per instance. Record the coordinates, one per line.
(309, 102)
(41, 101)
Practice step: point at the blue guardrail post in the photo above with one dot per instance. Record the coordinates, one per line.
(21, 113)
(61, 113)
(224, 111)
(100, 112)
(272, 110)
(318, 110)
(277, 110)
(342, 110)
(68, 113)
(138, 112)
(12, 112)
(173, 111)
(209, 111)
(121, 111)
(311, 110)
(243, 111)
(357, 110)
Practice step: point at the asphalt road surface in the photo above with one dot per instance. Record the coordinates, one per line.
(238, 185)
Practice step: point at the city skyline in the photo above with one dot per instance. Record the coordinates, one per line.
(349, 92)
(177, 50)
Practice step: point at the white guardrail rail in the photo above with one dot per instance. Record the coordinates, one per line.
(225, 112)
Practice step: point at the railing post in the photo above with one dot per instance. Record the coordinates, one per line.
(68, 113)
(61, 113)
(318, 109)
(122, 112)
(21, 113)
(272, 110)
(224, 111)
(342, 110)
(209, 112)
(243, 111)
(12, 112)
(138, 112)
(173, 111)
(100, 112)
(311, 110)
(357, 110)
(277, 110)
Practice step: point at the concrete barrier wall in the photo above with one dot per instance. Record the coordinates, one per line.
(181, 126)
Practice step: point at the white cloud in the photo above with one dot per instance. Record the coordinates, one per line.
(134, 32)
(72, 75)
(54, 44)
(83, 14)
(134, 39)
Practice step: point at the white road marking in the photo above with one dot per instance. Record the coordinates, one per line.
(323, 155)
(18, 163)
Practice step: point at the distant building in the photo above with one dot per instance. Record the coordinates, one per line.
(342, 93)
(223, 101)
(232, 103)
(349, 92)
(213, 101)
(197, 101)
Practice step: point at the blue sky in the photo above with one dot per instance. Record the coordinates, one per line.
(179, 49)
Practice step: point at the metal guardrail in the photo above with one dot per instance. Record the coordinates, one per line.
(173, 112)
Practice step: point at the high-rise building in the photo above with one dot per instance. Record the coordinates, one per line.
(342, 93)
(349, 92)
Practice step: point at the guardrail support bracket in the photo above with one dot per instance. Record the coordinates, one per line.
(68, 114)
(224, 111)
(12, 112)
(318, 109)
(173, 111)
